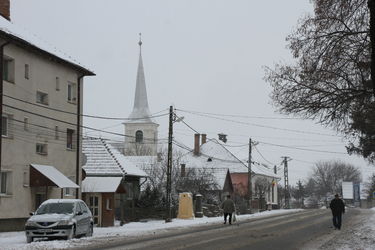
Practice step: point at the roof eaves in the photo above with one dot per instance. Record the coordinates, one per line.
(23, 43)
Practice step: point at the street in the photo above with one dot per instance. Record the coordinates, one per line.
(291, 231)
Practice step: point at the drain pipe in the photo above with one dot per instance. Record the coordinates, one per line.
(78, 131)
(1, 98)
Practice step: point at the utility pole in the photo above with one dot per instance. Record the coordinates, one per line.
(249, 179)
(168, 217)
(371, 6)
(286, 181)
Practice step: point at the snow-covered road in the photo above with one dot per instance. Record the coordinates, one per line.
(17, 240)
(358, 235)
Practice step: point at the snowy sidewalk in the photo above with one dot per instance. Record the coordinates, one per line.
(17, 240)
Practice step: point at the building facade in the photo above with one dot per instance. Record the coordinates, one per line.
(42, 95)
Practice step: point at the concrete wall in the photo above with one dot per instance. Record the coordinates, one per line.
(19, 149)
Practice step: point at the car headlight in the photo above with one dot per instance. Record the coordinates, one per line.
(65, 222)
(30, 223)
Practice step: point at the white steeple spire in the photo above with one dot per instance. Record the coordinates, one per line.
(140, 108)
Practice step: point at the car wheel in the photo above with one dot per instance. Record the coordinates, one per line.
(90, 232)
(72, 233)
(29, 239)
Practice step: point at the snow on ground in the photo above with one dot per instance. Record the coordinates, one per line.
(17, 240)
(356, 235)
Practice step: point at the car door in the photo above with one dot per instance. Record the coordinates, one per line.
(79, 218)
(86, 217)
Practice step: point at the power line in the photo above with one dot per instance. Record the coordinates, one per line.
(263, 156)
(263, 126)
(73, 124)
(303, 149)
(88, 116)
(239, 116)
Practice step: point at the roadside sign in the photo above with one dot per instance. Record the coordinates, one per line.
(373, 195)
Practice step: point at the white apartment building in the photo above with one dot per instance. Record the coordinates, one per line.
(42, 94)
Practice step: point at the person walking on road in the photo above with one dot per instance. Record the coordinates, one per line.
(338, 208)
(228, 208)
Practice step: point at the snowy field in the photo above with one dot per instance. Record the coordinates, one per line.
(17, 240)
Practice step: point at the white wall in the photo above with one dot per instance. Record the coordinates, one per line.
(20, 150)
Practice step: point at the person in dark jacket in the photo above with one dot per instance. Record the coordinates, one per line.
(338, 208)
(228, 208)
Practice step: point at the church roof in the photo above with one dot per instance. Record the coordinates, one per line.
(141, 112)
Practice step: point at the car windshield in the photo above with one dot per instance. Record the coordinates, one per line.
(56, 208)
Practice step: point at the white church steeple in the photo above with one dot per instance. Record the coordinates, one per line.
(140, 108)
(141, 131)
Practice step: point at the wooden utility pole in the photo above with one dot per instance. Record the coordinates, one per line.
(249, 179)
(168, 217)
(371, 6)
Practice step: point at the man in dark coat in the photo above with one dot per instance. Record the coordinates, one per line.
(338, 208)
(228, 208)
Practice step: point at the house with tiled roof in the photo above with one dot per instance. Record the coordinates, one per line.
(229, 172)
(112, 182)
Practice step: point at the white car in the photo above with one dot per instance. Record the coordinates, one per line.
(55, 218)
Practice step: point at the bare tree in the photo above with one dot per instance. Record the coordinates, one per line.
(328, 176)
(370, 187)
(262, 186)
(330, 81)
(138, 149)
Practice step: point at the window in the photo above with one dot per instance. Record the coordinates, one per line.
(8, 69)
(26, 123)
(26, 71)
(139, 136)
(72, 92)
(84, 208)
(42, 98)
(70, 191)
(57, 83)
(5, 125)
(3, 183)
(69, 138)
(56, 132)
(108, 204)
(6, 122)
(41, 148)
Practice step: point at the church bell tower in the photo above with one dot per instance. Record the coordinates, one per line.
(141, 131)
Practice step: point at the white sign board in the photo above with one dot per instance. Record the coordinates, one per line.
(347, 190)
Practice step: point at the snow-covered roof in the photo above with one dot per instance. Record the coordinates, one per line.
(55, 176)
(216, 157)
(101, 184)
(102, 159)
(25, 38)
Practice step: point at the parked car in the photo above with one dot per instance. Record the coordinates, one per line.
(60, 218)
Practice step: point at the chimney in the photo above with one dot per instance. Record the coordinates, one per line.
(183, 170)
(5, 9)
(204, 138)
(196, 144)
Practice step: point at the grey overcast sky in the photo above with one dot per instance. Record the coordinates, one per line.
(199, 55)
